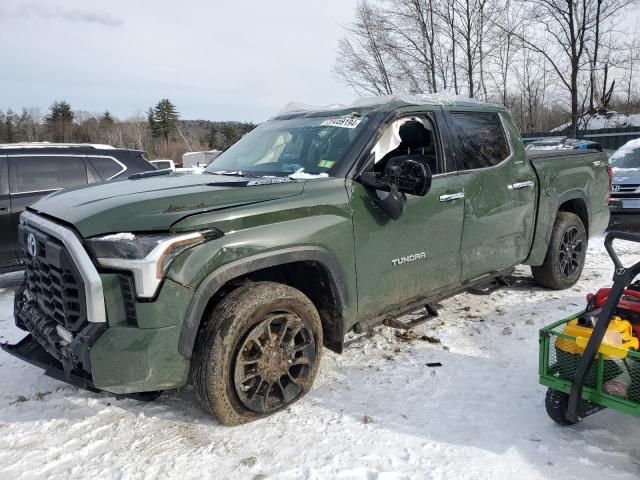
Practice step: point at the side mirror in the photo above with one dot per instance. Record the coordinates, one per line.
(402, 175)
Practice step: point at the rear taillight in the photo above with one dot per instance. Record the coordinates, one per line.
(608, 197)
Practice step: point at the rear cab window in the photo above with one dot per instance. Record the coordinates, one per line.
(44, 173)
(106, 167)
(481, 139)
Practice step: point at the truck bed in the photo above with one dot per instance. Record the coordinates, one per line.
(573, 180)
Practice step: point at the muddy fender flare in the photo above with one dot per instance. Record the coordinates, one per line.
(219, 277)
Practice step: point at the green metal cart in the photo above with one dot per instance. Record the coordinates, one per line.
(577, 381)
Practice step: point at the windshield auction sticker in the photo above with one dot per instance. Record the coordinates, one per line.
(342, 122)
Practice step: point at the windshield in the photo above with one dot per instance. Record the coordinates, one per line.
(314, 146)
(627, 156)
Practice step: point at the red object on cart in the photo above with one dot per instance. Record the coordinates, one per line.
(630, 301)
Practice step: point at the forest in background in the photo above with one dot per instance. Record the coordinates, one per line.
(160, 131)
(550, 62)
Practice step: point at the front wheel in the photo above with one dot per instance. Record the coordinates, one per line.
(258, 352)
(566, 254)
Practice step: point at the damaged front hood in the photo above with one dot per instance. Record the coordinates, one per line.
(155, 203)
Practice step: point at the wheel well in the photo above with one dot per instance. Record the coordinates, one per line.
(578, 207)
(312, 279)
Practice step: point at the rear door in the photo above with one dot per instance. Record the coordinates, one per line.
(31, 177)
(7, 251)
(500, 192)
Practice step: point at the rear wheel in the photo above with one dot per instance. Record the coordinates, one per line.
(556, 404)
(258, 352)
(566, 254)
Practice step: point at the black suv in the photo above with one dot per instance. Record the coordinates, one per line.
(29, 171)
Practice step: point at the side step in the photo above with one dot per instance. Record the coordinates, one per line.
(490, 286)
(395, 322)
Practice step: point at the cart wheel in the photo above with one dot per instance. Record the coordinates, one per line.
(556, 404)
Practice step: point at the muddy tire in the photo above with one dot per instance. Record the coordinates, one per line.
(556, 404)
(257, 353)
(566, 254)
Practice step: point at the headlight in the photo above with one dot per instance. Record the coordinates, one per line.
(147, 256)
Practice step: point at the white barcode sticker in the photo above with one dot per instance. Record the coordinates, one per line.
(342, 122)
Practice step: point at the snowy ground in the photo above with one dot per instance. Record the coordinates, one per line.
(479, 416)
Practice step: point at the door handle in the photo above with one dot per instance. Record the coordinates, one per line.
(519, 185)
(452, 196)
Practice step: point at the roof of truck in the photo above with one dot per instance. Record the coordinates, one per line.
(385, 103)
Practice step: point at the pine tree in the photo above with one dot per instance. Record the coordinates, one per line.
(59, 121)
(3, 135)
(163, 119)
(106, 119)
(10, 132)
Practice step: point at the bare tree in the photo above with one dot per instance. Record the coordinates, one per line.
(412, 25)
(567, 27)
(363, 61)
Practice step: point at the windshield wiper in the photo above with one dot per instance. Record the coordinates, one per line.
(224, 172)
(150, 173)
(237, 173)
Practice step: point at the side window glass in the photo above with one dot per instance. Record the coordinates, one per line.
(481, 139)
(409, 137)
(33, 174)
(105, 167)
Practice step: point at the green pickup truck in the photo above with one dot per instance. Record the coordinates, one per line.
(315, 224)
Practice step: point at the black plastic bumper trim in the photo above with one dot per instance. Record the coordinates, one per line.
(30, 351)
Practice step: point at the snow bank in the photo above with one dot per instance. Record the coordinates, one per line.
(610, 119)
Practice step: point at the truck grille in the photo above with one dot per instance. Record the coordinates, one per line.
(53, 280)
(627, 190)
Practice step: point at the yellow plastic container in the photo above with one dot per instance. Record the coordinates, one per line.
(616, 343)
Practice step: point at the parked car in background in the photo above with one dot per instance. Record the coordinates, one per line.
(625, 192)
(199, 159)
(563, 143)
(29, 171)
(164, 164)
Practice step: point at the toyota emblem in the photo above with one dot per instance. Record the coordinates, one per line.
(32, 245)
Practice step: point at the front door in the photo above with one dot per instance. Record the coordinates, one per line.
(500, 193)
(398, 261)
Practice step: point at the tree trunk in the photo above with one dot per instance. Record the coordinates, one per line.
(574, 99)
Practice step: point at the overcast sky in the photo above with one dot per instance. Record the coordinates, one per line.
(216, 59)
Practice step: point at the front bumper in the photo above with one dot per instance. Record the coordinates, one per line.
(625, 214)
(30, 351)
(119, 358)
(88, 327)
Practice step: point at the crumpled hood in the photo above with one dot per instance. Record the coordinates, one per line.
(154, 203)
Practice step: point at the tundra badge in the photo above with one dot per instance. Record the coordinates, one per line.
(408, 258)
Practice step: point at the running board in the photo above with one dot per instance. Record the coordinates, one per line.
(490, 286)
(395, 322)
